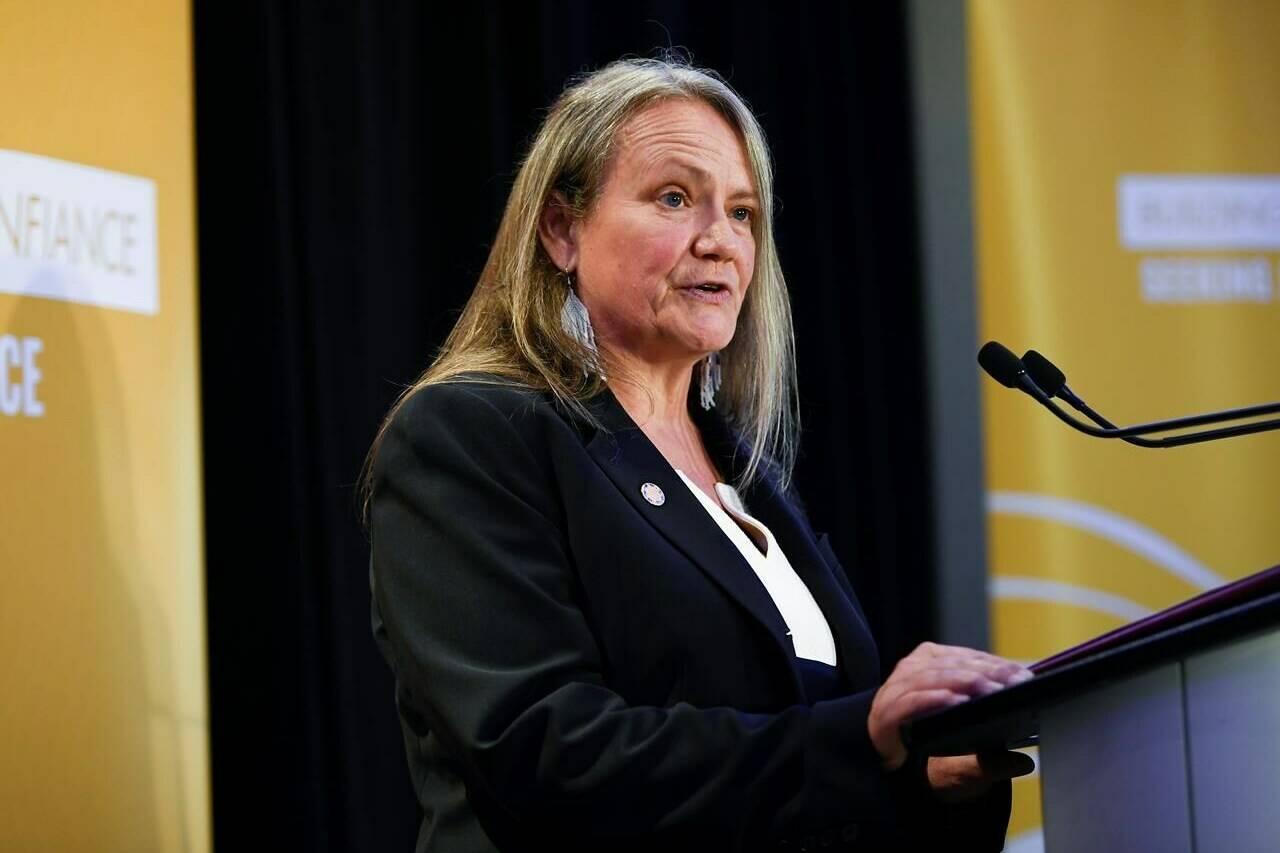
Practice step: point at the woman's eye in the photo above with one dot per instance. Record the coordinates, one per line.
(678, 196)
(743, 214)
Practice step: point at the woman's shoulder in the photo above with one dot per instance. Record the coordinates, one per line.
(469, 441)
(473, 395)
(483, 407)
(488, 419)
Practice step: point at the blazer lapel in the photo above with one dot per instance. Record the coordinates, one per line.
(764, 500)
(852, 635)
(625, 453)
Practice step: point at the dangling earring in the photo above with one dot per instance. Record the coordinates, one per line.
(711, 377)
(577, 323)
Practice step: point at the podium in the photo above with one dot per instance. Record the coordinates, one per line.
(1167, 741)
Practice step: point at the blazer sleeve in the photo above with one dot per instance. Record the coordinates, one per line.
(485, 627)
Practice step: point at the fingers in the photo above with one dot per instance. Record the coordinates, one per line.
(923, 701)
(933, 651)
(910, 695)
(933, 655)
(931, 677)
(961, 778)
(957, 674)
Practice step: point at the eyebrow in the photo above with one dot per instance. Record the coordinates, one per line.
(704, 175)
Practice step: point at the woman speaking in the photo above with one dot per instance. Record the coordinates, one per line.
(610, 623)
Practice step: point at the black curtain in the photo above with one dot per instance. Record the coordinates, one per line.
(353, 159)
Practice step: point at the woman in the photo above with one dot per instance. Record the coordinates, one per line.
(597, 640)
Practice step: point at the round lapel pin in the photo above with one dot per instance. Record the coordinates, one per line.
(653, 493)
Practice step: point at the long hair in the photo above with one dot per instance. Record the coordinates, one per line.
(511, 325)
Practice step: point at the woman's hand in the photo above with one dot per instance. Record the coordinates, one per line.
(959, 778)
(931, 677)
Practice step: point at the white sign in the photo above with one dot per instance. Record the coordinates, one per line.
(1199, 212)
(77, 233)
(1206, 279)
(19, 397)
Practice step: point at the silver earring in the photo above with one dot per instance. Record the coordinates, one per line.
(577, 323)
(711, 376)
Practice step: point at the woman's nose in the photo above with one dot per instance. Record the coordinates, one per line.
(716, 240)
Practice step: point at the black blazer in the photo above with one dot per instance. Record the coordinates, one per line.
(577, 668)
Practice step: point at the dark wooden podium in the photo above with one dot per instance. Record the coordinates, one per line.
(1167, 741)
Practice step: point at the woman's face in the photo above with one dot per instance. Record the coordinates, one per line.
(665, 256)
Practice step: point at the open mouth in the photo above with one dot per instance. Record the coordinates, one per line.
(711, 292)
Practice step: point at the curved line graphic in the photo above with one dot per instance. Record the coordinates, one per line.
(1108, 525)
(1037, 589)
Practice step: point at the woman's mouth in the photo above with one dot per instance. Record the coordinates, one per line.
(708, 292)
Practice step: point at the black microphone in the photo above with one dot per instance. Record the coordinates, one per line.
(1047, 375)
(1054, 384)
(1050, 377)
(1007, 369)
(1028, 374)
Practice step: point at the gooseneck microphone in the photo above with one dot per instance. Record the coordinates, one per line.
(1009, 370)
(1042, 380)
(1054, 384)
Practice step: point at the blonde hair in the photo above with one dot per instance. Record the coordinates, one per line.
(511, 325)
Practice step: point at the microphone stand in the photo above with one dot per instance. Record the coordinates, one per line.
(1011, 371)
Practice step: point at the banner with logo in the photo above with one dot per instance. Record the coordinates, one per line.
(103, 722)
(1127, 219)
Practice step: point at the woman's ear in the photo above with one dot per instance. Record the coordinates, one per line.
(557, 232)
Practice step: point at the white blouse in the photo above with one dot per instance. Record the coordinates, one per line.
(810, 633)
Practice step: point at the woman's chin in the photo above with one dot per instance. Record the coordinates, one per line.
(709, 333)
(704, 345)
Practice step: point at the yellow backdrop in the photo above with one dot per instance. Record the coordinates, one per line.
(1156, 304)
(103, 724)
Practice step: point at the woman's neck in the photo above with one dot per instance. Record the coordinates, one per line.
(656, 397)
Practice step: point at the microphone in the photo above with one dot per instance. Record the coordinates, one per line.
(1047, 375)
(1054, 384)
(1007, 369)
(1050, 377)
(1042, 380)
